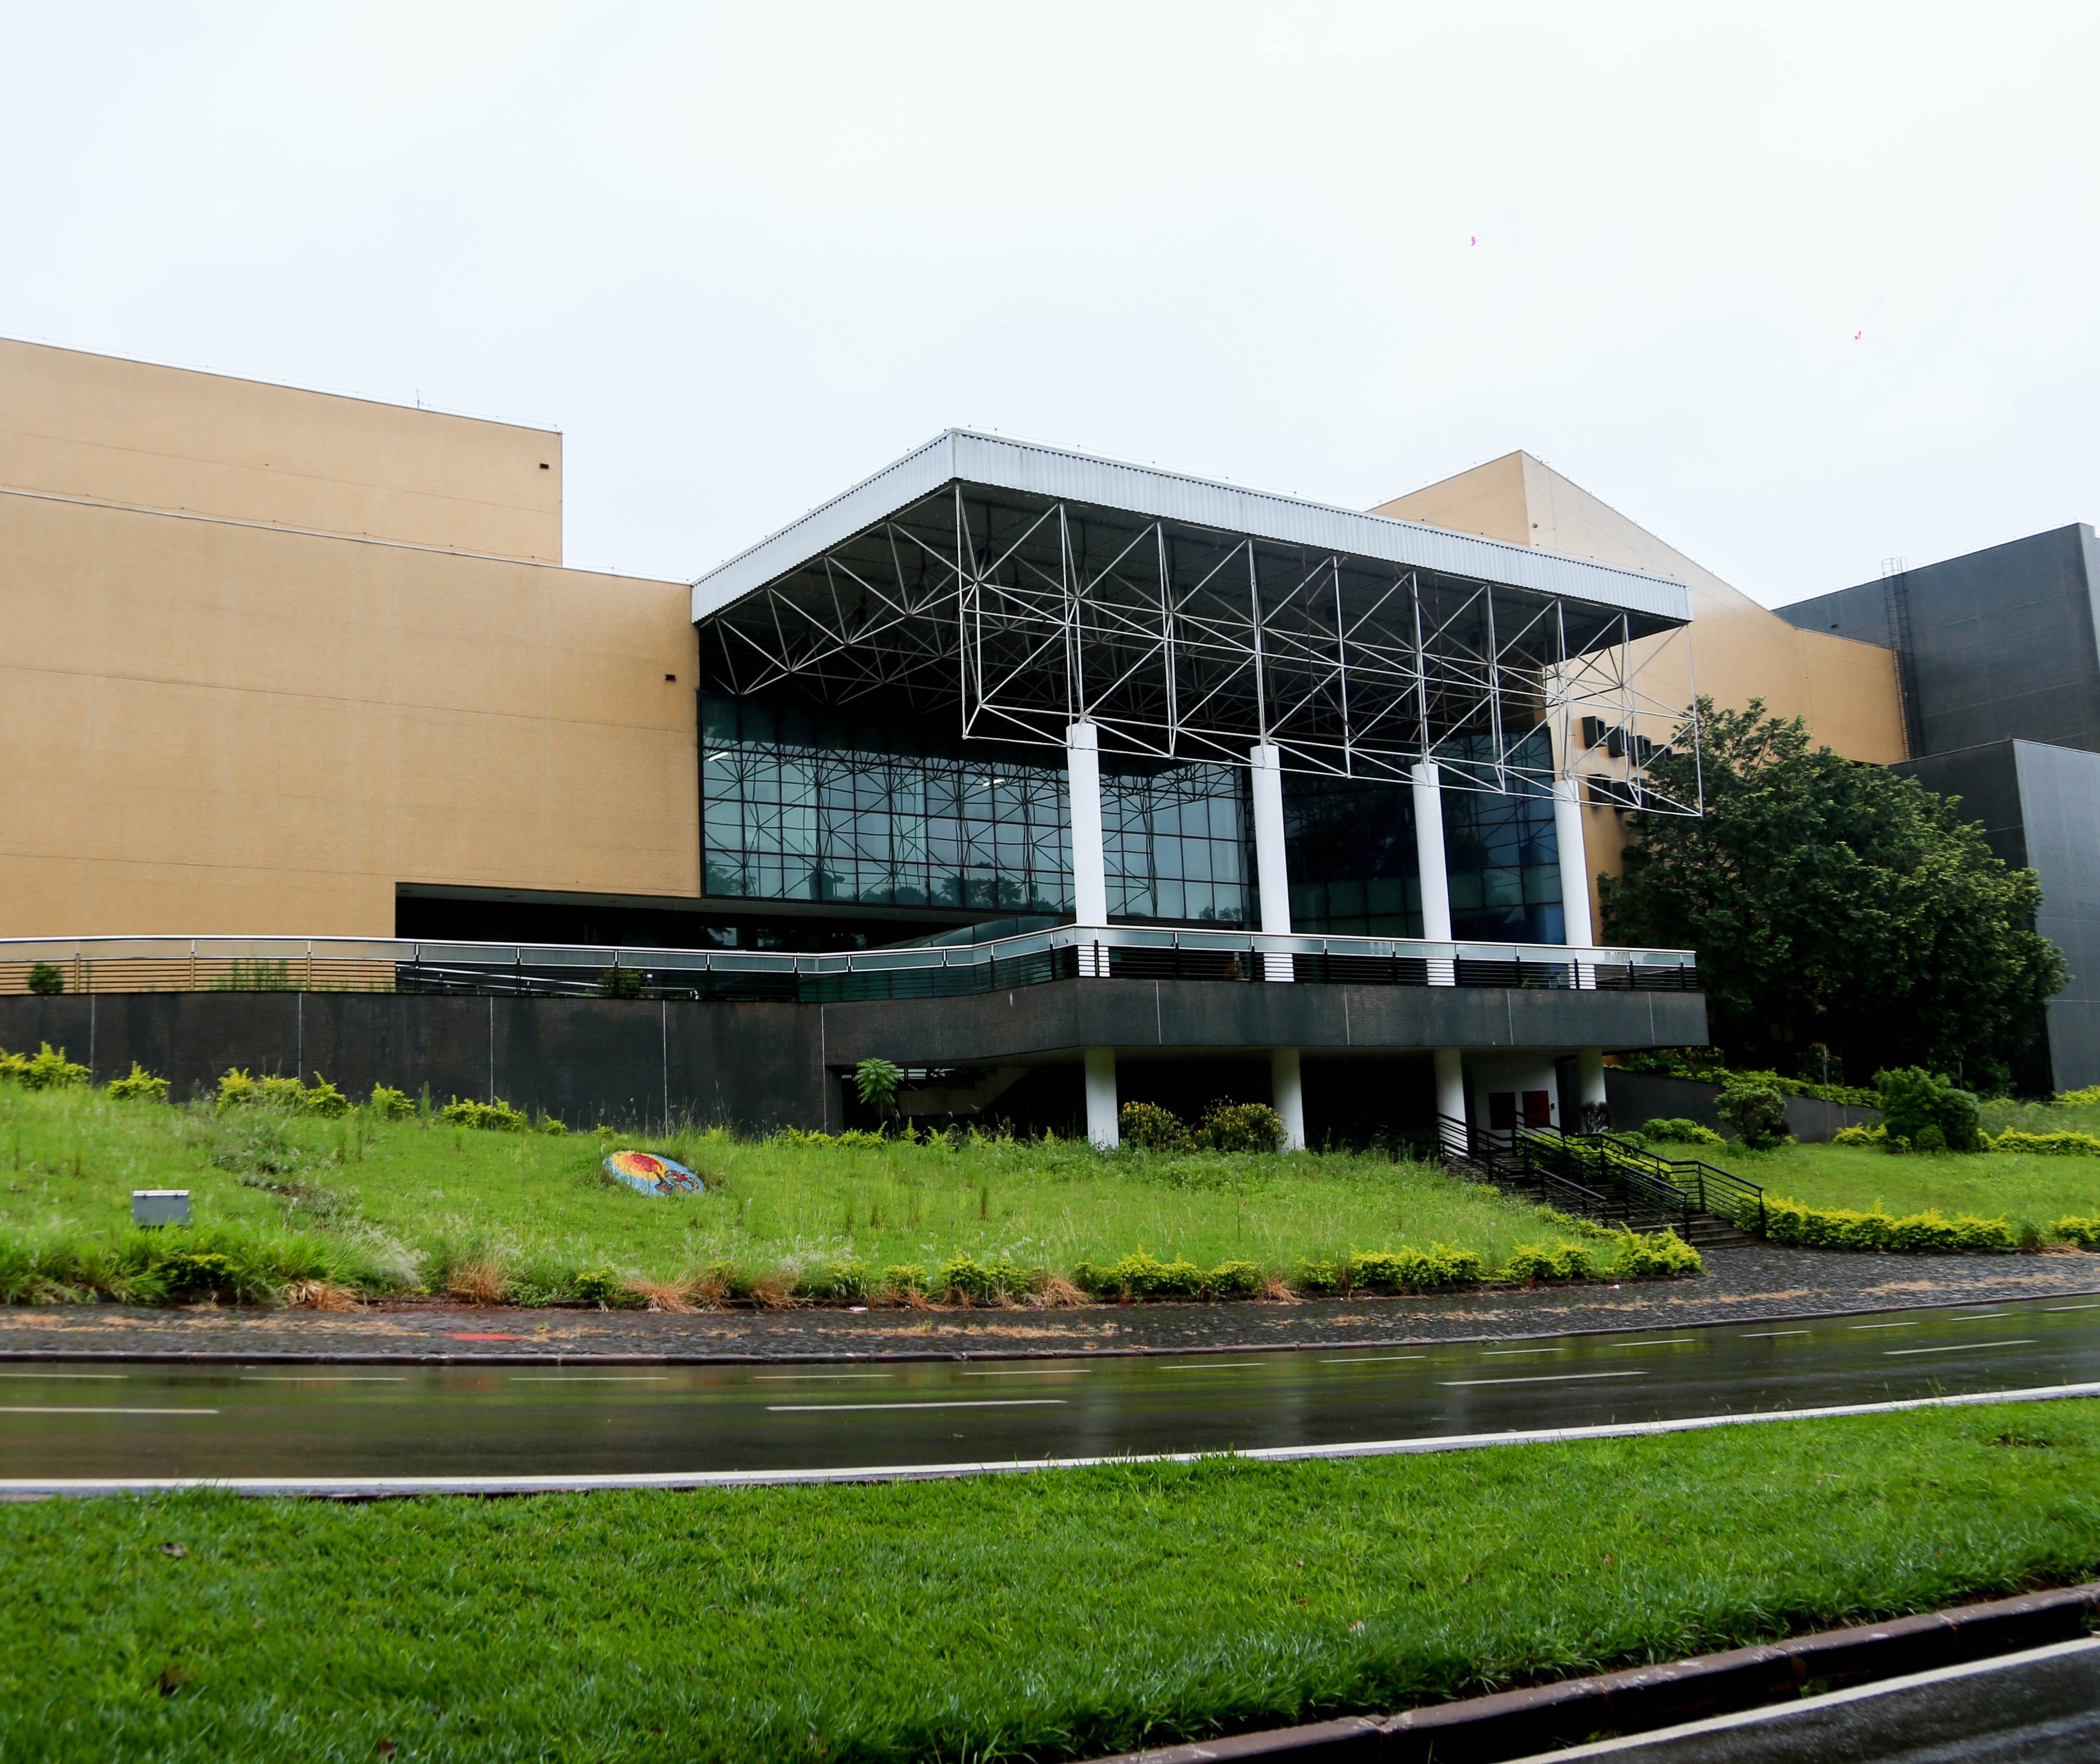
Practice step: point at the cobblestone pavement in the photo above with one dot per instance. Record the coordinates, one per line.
(1756, 1282)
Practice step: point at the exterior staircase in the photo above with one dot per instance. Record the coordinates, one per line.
(1612, 1181)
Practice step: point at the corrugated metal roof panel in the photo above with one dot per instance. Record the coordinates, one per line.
(996, 461)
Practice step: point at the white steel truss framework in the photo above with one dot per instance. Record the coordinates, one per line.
(1026, 613)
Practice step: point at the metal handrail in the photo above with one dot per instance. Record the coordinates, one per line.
(176, 963)
(1690, 1182)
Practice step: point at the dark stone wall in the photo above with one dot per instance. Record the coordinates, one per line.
(757, 1066)
(1640, 1097)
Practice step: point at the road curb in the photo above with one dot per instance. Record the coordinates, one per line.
(1517, 1724)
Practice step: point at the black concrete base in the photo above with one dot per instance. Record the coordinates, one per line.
(759, 1066)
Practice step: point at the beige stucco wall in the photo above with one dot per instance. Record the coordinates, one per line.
(207, 727)
(1737, 649)
(105, 429)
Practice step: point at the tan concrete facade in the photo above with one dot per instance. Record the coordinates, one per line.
(223, 722)
(1848, 691)
(104, 430)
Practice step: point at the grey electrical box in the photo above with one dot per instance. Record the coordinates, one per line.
(160, 1206)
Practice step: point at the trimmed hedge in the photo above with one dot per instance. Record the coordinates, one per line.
(1668, 1063)
(2084, 1232)
(1825, 1228)
(2046, 1145)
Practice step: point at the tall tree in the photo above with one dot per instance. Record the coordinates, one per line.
(1834, 902)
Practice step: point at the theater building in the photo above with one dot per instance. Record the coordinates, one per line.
(1054, 780)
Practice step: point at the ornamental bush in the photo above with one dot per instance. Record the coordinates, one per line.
(1877, 1136)
(1531, 1263)
(1230, 1126)
(1676, 1130)
(1826, 1228)
(1152, 1128)
(1758, 1113)
(43, 1070)
(139, 1085)
(2048, 1144)
(389, 1103)
(1929, 1111)
(1411, 1270)
(497, 1116)
(1658, 1252)
(2084, 1232)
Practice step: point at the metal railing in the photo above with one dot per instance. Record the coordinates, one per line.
(1688, 1186)
(392, 964)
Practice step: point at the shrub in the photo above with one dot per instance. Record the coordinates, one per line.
(1532, 1261)
(1758, 1113)
(280, 1092)
(619, 983)
(2087, 1098)
(1658, 1252)
(1929, 1111)
(1409, 1270)
(1677, 1062)
(834, 1280)
(2048, 1144)
(237, 1090)
(325, 1100)
(551, 1127)
(139, 1085)
(1233, 1280)
(47, 979)
(1230, 1126)
(389, 1103)
(494, 1117)
(903, 1280)
(43, 1070)
(2084, 1232)
(1823, 1228)
(1140, 1276)
(1317, 1277)
(875, 1082)
(604, 1287)
(1873, 1135)
(1677, 1129)
(962, 1277)
(1152, 1128)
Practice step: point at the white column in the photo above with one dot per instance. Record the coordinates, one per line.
(1589, 1084)
(1450, 1091)
(1429, 865)
(1574, 862)
(1102, 1127)
(1286, 1084)
(1090, 872)
(1271, 872)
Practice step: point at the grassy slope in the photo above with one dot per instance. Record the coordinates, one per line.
(69, 1161)
(1049, 1616)
(2010, 1186)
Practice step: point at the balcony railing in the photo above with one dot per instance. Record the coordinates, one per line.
(1121, 952)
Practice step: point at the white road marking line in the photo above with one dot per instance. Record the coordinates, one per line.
(119, 1376)
(1226, 1365)
(1979, 1317)
(272, 1378)
(807, 1377)
(1676, 1341)
(1032, 1371)
(2072, 1308)
(1505, 1353)
(1885, 1325)
(1373, 1360)
(2026, 1340)
(988, 1402)
(1771, 1335)
(590, 1377)
(1547, 1377)
(24, 1408)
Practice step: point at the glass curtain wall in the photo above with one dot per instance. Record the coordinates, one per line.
(1351, 848)
(806, 805)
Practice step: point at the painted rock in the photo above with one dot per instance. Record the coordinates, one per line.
(645, 1173)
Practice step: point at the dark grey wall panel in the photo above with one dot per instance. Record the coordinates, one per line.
(1988, 781)
(759, 1066)
(1636, 1097)
(2060, 806)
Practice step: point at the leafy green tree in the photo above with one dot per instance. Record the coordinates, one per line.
(1834, 902)
(1758, 1113)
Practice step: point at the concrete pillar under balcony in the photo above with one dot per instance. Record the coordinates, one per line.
(1102, 1127)
(1450, 1068)
(1286, 1087)
(1589, 1090)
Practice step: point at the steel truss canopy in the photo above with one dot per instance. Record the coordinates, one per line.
(1019, 588)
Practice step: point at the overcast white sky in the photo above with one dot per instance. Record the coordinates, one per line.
(1798, 288)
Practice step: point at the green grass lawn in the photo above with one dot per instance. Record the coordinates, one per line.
(1047, 1615)
(403, 1202)
(2011, 1185)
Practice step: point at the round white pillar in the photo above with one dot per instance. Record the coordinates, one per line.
(1090, 871)
(1589, 1086)
(1287, 1085)
(1102, 1127)
(1450, 1097)
(1574, 863)
(1429, 866)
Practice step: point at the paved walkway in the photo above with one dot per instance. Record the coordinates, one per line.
(1756, 1282)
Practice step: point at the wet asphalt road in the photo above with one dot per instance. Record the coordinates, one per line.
(142, 1420)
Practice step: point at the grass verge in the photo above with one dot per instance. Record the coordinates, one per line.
(2012, 1186)
(363, 1204)
(1043, 1617)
